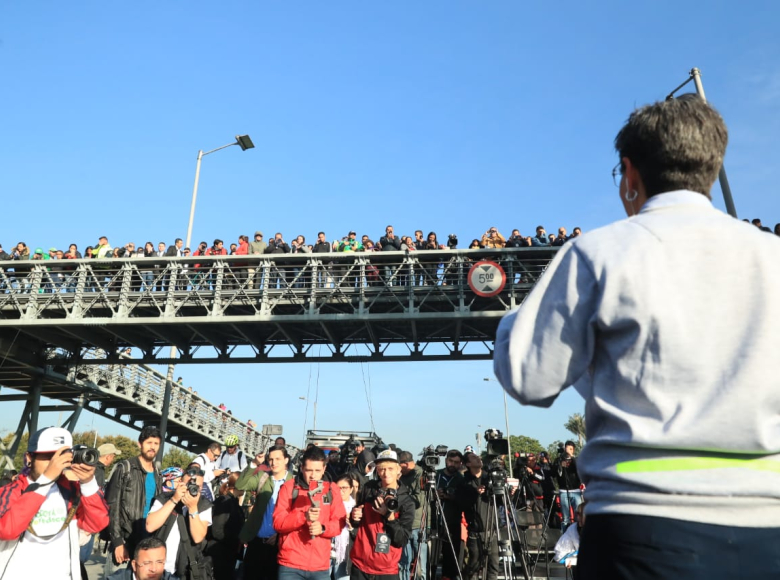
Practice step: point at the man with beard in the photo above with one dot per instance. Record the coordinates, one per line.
(133, 486)
(447, 481)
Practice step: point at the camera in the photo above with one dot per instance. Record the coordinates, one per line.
(349, 450)
(452, 241)
(495, 443)
(193, 488)
(430, 456)
(390, 496)
(84, 455)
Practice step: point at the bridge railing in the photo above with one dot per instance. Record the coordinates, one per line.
(263, 285)
(144, 387)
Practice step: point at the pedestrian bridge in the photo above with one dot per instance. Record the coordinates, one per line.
(377, 306)
(132, 395)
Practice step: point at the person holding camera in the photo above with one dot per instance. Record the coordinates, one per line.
(493, 239)
(258, 533)
(383, 517)
(448, 479)
(540, 239)
(412, 477)
(181, 519)
(277, 245)
(42, 510)
(568, 482)
(474, 497)
(309, 513)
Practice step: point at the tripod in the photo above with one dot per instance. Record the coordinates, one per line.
(501, 508)
(430, 529)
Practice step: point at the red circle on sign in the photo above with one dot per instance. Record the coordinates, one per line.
(486, 278)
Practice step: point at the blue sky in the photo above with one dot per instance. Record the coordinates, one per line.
(445, 116)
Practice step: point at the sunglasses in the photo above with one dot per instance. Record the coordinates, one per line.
(195, 472)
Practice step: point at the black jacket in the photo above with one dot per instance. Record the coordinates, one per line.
(274, 248)
(126, 498)
(322, 248)
(390, 245)
(475, 505)
(399, 530)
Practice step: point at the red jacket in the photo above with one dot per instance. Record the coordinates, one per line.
(17, 508)
(297, 549)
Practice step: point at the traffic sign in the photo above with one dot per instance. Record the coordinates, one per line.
(486, 278)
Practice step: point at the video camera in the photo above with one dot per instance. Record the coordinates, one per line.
(496, 446)
(430, 456)
(349, 450)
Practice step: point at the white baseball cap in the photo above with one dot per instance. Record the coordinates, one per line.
(386, 455)
(49, 439)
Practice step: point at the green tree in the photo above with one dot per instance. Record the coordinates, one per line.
(523, 444)
(176, 457)
(576, 426)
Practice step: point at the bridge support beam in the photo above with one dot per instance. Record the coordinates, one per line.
(29, 420)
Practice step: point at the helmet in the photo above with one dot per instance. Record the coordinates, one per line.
(231, 440)
(168, 475)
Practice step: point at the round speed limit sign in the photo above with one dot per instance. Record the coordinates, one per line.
(486, 278)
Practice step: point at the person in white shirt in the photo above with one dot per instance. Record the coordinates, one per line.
(184, 508)
(208, 463)
(42, 511)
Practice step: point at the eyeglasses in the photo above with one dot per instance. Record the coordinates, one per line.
(615, 173)
(150, 563)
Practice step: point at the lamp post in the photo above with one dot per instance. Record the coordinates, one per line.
(506, 420)
(245, 143)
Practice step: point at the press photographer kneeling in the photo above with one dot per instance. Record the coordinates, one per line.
(473, 494)
(383, 518)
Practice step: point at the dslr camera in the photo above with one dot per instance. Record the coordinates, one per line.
(390, 495)
(452, 241)
(84, 455)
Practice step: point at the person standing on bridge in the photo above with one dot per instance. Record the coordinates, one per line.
(670, 335)
(42, 511)
(133, 486)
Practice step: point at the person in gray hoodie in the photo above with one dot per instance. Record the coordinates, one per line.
(666, 323)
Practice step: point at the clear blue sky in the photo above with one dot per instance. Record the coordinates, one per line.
(445, 116)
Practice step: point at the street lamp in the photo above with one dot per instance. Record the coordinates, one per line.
(245, 143)
(506, 419)
(242, 141)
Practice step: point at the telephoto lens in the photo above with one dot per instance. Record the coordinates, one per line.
(84, 455)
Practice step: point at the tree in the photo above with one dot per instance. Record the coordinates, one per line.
(176, 457)
(576, 426)
(523, 444)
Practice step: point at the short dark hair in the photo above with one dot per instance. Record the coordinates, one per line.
(215, 446)
(150, 543)
(675, 144)
(218, 241)
(404, 456)
(149, 432)
(346, 477)
(177, 240)
(313, 454)
(454, 453)
(320, 233)
(468, 455)
(281, 448)
(570, 443)
(282, 438)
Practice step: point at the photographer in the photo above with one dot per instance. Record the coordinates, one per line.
(532, 477)
(383, 517)
(412, 477)
(181, 519)
(518, 241)
(277, 245)
(448, 480)
(42, 510)
(540, 239)
(493, 239)
(474, 497)
(568, 482)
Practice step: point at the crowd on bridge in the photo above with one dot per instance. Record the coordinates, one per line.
(348, 512)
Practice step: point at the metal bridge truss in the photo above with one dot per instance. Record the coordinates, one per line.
(128, 394)
(378, 306)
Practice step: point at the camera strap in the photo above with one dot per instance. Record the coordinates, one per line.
(66, 496)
